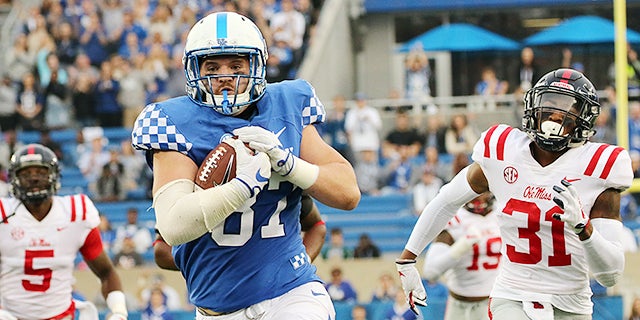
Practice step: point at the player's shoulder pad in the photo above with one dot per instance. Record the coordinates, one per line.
(154, 129)
(304, 95)
(80, 209)
(608, 162)
(495, 141)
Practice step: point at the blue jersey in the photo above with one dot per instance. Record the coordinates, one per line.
(256, 253)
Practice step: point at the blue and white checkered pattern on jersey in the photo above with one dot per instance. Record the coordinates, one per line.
(153, 131)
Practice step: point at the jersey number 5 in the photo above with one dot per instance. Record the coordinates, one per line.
(45, 273)
(559, 256)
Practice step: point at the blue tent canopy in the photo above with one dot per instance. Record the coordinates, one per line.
(460, 37)
(580, 30)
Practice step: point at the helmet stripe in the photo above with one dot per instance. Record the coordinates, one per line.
(566, 76)
(221, 26)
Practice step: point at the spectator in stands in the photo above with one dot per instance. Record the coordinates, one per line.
(156, 308)
(425, 190)
(127, 257)
(82, 68)
(93, 39)
(359, 312)
(109, 186)
(157, 282)
(93, 156)
(333, 129)
(107, 234)
(5, 187)
(135, 172)
(131, 47)
(67, 45)
(340, 289)
(368, 172)
(363, 125)
(400, 309)
(634, 125)
(336, 249)
(489, 84)
(134, 88)
(8, 115)
(140, 235)
(108, 109)
(30, 107)
(605, 128)
(434, 135)
(460, 136)
(635, 309)
(366, 248)
(83, 100)
(439, 164)
(401, 172)
(633, 74)
(20, 58)
(402, 134)
(8, 145)
(386, 289)
(129, 25)
(417, 74)
(56, 93)
(289, 24)
(47, 141)
(527, 71)
(157, 65)
(280, 59)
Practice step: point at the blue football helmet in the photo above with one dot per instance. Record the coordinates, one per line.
(229, 34)
(560, 110)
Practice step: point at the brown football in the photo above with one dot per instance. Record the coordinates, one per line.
(218, 167)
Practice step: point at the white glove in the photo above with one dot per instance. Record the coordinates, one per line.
(569, 201)
(116, 302)
(411, 284)
(253, 171)
(295, 170)
(464, 245)
(263, 140)
(5, 315)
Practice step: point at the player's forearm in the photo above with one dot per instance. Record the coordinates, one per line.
(604, 252)
(313, 239)
(183, 215)
(336, 186)
(437, 261)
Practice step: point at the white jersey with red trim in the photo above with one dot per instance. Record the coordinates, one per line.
(475, 273)
(542, 258)
(37, 257)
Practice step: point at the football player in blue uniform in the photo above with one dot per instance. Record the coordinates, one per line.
(238, 245)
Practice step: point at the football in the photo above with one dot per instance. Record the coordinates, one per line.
(218, 167)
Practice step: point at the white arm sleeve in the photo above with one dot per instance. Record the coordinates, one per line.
(437, 261)
(604, 252)
(439, 211)
(183, 215)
